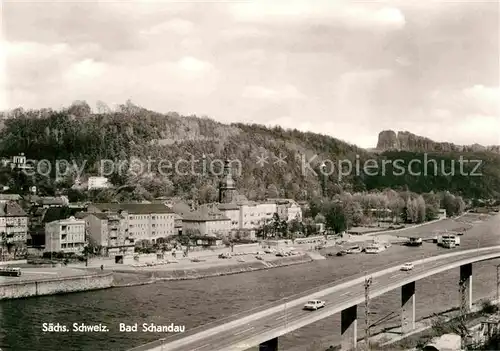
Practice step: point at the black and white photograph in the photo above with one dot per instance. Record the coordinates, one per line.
(249, 175)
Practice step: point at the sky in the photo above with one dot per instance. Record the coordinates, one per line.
(343, 68)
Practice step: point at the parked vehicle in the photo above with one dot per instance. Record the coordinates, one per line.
(443, 238)
(407, 266)
(314, 305)
(225, 255)
(342, 253)
(10, 272)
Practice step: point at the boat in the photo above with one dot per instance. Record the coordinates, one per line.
(10, 272)
(448, 243)
(414, 242)
(354, 250)
(374, 248)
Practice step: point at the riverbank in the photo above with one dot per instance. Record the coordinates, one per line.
(125, 278)
(36, 282)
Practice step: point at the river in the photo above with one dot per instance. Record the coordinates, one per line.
(196, 302)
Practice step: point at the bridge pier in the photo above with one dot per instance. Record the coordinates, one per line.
(349, 328)
(269, 345)
(465, 285)
(407, 308)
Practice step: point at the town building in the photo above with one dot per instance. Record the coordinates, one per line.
(208, 220)
(13, 223)
(110, 232)
(247, 216)
(19, 162)
(66, 235)
(180, 209)
(146, 222)
(98, 183)
(287, 209)
(49, 201)
(10, 197)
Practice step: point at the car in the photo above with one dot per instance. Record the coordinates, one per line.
(407, 266)
(313, 305)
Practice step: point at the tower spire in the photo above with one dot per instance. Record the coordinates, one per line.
(227, 188)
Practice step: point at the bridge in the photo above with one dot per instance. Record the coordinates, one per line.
(265, 326)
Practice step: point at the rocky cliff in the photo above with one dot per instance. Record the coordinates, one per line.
(406, 141)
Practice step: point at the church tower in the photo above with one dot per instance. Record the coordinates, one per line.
(227, 188)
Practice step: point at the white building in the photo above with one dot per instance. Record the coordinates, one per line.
(288, 209)
(98, 183)
(66, 235)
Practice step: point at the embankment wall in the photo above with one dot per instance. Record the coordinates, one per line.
(16, 290)
(206, 272)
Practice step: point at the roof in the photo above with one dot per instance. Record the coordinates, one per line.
(133, 208)
(57, 213)
(181, 208)
(206, 213)
(7, 197)
(100, 215)
(230, 206)
(67, 220)
(11, 209)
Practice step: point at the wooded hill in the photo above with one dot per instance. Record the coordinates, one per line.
(85, 138)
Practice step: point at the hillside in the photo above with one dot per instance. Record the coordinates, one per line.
(84, 138)
(388, 140)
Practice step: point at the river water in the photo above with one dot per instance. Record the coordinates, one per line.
(196, 302)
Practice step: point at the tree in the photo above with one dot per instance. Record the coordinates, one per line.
(431, 205)
(335, 218)
(207, 194)
(421, 210)
(186, 238)
(272, 191)
(295, 226)
(319, 218)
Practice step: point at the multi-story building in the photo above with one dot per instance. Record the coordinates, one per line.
(148, 222)
(180, 210)
(288, 209)
(66, 235)
(207, 221)
(98, 183)
(110, 232)
(253, 215)
(13, 223)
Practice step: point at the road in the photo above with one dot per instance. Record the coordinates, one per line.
(241, 336)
